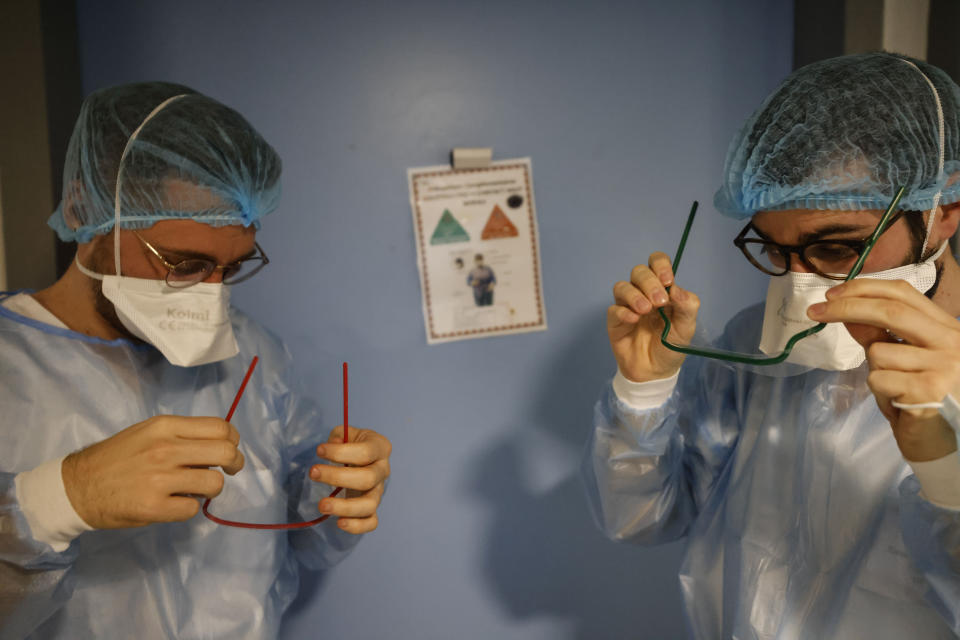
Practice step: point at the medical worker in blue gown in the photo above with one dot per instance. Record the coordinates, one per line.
(114, 382)
(819, 498)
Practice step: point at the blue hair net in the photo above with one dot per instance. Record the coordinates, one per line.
(195, 159)
(843, 134)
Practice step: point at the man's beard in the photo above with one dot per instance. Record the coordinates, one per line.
(932, 291)
(103, 306)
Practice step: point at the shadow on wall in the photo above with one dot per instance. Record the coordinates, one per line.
(542, 553)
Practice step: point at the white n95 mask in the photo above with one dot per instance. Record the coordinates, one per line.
(832, 348)
(189, 326)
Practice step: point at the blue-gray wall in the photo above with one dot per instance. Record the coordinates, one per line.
(626, 109)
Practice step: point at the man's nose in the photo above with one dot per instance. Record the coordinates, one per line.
(215, 277)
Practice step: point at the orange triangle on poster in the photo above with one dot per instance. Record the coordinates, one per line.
(499, 226)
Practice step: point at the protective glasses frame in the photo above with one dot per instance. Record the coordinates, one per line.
(765, 359)
(742, 243)
(209, 266)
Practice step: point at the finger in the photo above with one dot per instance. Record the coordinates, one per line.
(866, 335)
(902, 319)
(204, 453)
(357, 478)
(682, 313)
(361, 435)
(627, 295)
(200, 428)
(881, 385)
(617, 316)
(649, 284)
(907, 387)
(358, 525)
(903, 357)
(899, 290)
(363, 449)
(660, 264)
(361, 507)
(176, 509)
(236, 465)
(198, 482)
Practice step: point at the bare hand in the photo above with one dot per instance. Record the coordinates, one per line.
(925, 367)
(634, 326)
(368, 457)
(146, 473)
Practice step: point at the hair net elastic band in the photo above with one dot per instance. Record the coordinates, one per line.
(914, 201)
(942, 140)
(139, 222)
(123, 156)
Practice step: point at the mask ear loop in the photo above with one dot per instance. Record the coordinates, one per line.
(941, 140)
(116, 194)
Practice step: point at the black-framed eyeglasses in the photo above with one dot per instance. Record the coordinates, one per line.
(831, 259)
(764, 359)
(188, 272)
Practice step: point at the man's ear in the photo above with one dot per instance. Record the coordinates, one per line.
(98, 245)
(949, 220)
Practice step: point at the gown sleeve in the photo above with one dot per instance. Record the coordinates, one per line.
(648, 472)
(35, 580)
(932, 537)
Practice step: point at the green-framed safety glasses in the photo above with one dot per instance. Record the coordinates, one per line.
(762, 358)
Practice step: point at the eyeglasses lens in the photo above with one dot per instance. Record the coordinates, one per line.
(189, 272)
(767, 257)
(241, 271)
(831, 259)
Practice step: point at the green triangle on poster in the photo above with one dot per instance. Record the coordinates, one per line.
(448, 230)
(498, 226)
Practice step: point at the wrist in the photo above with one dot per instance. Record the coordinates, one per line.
(637, 376)
(71, 473)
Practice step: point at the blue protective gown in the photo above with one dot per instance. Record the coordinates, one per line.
(61, 391)
(801, 516)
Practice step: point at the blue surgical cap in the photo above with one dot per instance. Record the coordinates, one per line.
(843, 134)
(193, 159)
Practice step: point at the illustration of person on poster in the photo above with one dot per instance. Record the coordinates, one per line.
(482, 279)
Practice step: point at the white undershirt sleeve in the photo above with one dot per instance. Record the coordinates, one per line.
(46, 507)
(940, 480)
(643, 395)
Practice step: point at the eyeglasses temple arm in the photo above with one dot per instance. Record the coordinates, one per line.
(676, 262)
(872, 240)
(683, 238)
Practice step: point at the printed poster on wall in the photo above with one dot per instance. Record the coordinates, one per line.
(478, 252)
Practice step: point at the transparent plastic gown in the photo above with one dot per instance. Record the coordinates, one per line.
(801, 517)
(60, 391)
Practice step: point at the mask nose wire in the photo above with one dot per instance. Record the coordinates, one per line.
(116, 195)
(936, 198)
